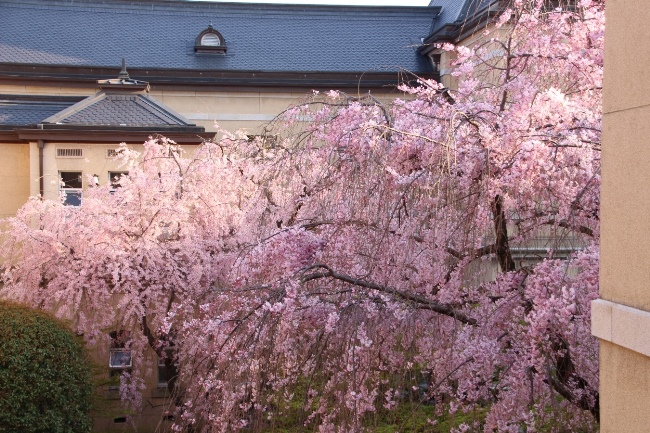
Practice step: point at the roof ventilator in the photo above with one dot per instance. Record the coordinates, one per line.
(210, 41)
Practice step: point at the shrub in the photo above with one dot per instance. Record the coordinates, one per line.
(45, 374)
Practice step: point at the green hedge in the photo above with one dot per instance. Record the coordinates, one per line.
(45, 374)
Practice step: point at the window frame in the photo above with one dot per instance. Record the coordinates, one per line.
(119, 344)
(161, 367)
(71, 191)
(122, 352)
(111, 175)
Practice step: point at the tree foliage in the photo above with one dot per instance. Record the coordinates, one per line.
(45, 375)
(450, 238)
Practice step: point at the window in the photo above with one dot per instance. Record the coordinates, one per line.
(70, 184)
(114, 178)
(164, 373)
(119, 360)
(210, 41)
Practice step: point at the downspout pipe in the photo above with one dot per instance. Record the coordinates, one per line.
(41, 186)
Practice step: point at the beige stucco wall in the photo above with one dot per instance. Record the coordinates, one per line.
(14, 177)
(625, 213)
(95, 160)
(625, 274)
(51, 89)
(624, 390)
(231, 110)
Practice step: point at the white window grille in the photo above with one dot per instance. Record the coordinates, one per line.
(69, 153)
(210, 40)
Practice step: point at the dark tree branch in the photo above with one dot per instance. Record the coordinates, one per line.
(475, 254)
(581, 229)
(421, 302)
(151, 339)
(565, 378)
(504, 255)
(504, 97)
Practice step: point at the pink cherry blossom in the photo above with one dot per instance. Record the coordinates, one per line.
(442, 248)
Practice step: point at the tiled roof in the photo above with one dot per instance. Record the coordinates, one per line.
(121, 111)
(450, 13)
(454, 16)
(472, 8)
(259, 37)
(16, 112)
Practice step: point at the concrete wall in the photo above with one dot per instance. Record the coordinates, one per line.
(622, 319)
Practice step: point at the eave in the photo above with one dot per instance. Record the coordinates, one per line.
(100, 135)
(458, 31)
(214, 79)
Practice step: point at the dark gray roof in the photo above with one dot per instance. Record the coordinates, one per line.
(457, 11)
(259, 37)
(473, 8)
(122, 111)
(17, 111)
(118, 110)
(458, 18)
(450, 13)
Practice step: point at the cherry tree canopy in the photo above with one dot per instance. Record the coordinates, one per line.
(450, 238)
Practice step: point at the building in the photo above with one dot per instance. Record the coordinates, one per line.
(188, 64)
(621, 318)
(458, 23)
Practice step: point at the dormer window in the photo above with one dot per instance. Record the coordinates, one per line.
(210, 41)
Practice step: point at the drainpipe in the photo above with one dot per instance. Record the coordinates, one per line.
(41, 146)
